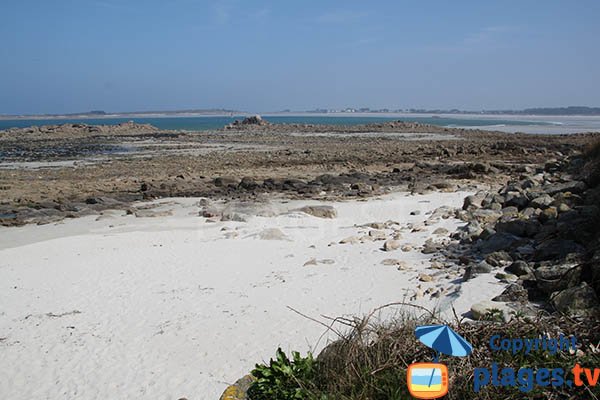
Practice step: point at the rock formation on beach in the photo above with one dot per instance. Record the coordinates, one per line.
(72, 131)
(541, 233)
(253, 121)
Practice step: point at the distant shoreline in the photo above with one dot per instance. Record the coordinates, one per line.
(241, 114)
(115, 115)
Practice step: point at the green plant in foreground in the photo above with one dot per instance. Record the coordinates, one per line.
(283, 378)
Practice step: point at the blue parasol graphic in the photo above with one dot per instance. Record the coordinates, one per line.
(442, 339)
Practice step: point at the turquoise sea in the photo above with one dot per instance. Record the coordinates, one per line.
(208, 122)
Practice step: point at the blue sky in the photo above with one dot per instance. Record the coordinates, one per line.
(76, 55)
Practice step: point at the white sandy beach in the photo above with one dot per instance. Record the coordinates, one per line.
(163, 307)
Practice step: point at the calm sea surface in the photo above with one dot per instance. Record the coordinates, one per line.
(200, 123)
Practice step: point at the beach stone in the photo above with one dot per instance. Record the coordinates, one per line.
(406, 248)
(487, 216)
(516, 199)
(431, 247)
(519, 268)
(390, 261)
(440, 232)
(375, 225)
(485, 310)
(571, 186)
(519, 227)
(579, 300)
(473, 201)
(272, 234)
(468, 274)
(543, 201)
(320, 211)
(361, 187)
(254, 120)
(210, 212)
(397, 235)
(377, 234)
(506, 277)
(350, 240)
(472, 230)
(418, 227)
(239, 390)
(556, 249)
(391, 245)
(311, 262)
(248, 183)
(425, 278)
(234, 216)
(482, 267)
(402, 266)
(226, 182)
(530, 212)
(514, 293)
(556, 277)
(152, 213)
(498, 258)
(499, 241)
(550, 213)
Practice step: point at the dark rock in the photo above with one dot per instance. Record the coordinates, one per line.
(361, 187)
(486, 233)
(468, 274)
(473, 201)
(492, 199)
(498, 258)
(482, 268)
(519, 268)
(554, 249)
(577, 300)
(509, 212)
(555, 277)
(254, 120)
(571, 186)
(486, 216)
(431, 247)
(516, 199)
(248, 183)
(293, 184)
(518, 227)
(327, 179)
(542, 201)
(500, 241)
(548, 214)
(226, 182)
(514, 293)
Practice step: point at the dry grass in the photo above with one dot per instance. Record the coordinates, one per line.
(370, 361)
(592, 150)
(591, 169)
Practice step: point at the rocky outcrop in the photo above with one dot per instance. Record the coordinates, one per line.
(253, 121)
(76, 130)
(543, 231)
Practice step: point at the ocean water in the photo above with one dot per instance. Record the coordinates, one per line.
(202, 123)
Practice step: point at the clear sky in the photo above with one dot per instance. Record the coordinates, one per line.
(123, 55)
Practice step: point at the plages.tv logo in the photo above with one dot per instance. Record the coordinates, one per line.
(430, 380)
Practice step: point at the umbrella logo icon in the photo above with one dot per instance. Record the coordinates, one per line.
(430, 380)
